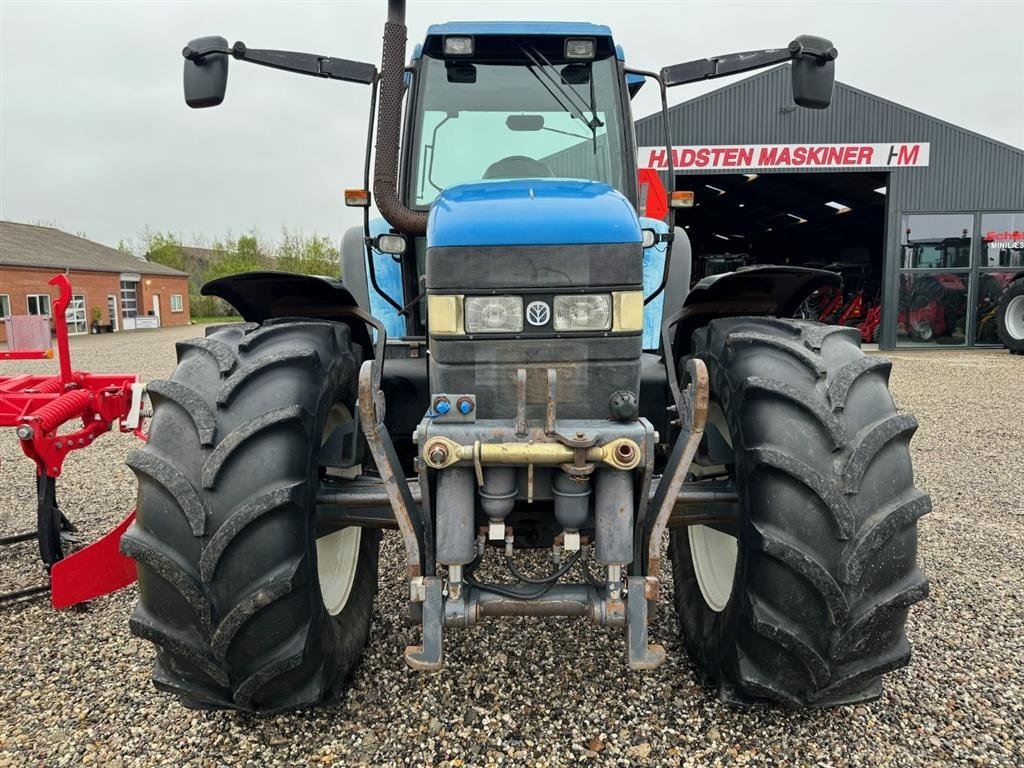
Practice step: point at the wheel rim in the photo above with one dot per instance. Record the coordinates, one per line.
(337, 553)
(923, 331)
(712, 552)
(1015, 318)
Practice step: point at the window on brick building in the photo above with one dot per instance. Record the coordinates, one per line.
(129, 298)
(176, 303)
(38, 304)
(5, 305)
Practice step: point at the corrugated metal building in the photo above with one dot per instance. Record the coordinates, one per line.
(919, 213)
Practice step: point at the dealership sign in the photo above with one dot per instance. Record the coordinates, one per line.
(768, 156)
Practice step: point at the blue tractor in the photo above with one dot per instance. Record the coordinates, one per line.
(515, 361)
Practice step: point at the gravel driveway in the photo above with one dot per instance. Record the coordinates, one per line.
(75, 684)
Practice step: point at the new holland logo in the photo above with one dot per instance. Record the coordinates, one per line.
(538, 313)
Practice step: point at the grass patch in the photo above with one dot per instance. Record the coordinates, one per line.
(212, 320)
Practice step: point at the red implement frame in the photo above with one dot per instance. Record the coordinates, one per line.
(37, 406)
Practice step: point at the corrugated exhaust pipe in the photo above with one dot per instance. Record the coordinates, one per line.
(389, 123)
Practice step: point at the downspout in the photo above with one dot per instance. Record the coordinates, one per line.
(389, 121)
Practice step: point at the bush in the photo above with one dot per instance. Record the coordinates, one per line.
(208, 306)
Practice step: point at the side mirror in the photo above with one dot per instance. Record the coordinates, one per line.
(206, 76)
(814, 71)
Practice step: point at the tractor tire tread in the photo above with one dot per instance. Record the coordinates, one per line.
(237, 521)
(234, 565)
(218, 350)
(275, 588)
(144, 548)
(864, 621)
(775, 544)
(146, 464)
(840, 383)
(144, 625)
(769, 624)
(828, 534)
(256, 368)
(824, 415)
(878, 528)
(243, 433)
(826, 491)
(869, 441)
(191, 403)
(797, 350)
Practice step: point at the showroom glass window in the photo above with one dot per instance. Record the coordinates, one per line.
(1000, 257)
(935, 276)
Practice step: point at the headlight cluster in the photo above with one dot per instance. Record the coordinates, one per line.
(494, 314)
(585, 312)
(456, 315)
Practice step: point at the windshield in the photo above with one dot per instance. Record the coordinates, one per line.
(526, 118)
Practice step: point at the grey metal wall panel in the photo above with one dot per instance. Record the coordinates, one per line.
(966, 171)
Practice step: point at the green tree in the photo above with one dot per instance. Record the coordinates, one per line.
(307, 255)
(164, 249)
(246, 254)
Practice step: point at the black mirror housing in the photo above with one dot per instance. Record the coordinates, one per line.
(206, 77)
(813, 72)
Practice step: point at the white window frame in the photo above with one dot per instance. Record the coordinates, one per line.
(37, 297)
(129, 299)
(5, 305)
(177, 305)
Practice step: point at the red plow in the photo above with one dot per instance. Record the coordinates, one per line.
(39, 408)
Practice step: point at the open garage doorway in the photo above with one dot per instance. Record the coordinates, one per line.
(833, 221)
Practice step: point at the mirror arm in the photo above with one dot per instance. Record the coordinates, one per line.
(290, 61)
(734, 63)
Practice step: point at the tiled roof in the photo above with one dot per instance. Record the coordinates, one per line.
(28, 245)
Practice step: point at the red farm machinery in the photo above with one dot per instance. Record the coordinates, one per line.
(53, 415)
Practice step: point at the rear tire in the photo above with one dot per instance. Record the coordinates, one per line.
(224, 538)
(807, 606)
(1010, 320)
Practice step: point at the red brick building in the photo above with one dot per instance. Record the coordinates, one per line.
(121, 291)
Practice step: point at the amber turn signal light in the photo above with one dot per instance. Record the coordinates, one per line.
(682, 200)
(357, 198)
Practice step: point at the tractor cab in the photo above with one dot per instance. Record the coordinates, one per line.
(498, 101)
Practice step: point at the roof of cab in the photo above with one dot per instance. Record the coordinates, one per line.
(519, 28)
(554, 28)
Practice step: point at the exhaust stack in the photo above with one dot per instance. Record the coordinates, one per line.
(385, 172)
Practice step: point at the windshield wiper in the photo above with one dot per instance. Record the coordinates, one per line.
(572, 99)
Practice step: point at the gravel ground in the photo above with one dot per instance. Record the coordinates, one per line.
(76, 685)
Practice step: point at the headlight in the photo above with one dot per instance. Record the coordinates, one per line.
(583, 312)
(494, 314)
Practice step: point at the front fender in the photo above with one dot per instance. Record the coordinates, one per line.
(260, 296)
(756, 290)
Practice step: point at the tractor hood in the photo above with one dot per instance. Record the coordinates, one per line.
(531, 212)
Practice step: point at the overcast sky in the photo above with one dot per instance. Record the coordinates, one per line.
(95, 136)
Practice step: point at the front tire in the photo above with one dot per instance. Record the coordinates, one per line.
(805, 602)
(247, 608)
(1010, 320)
